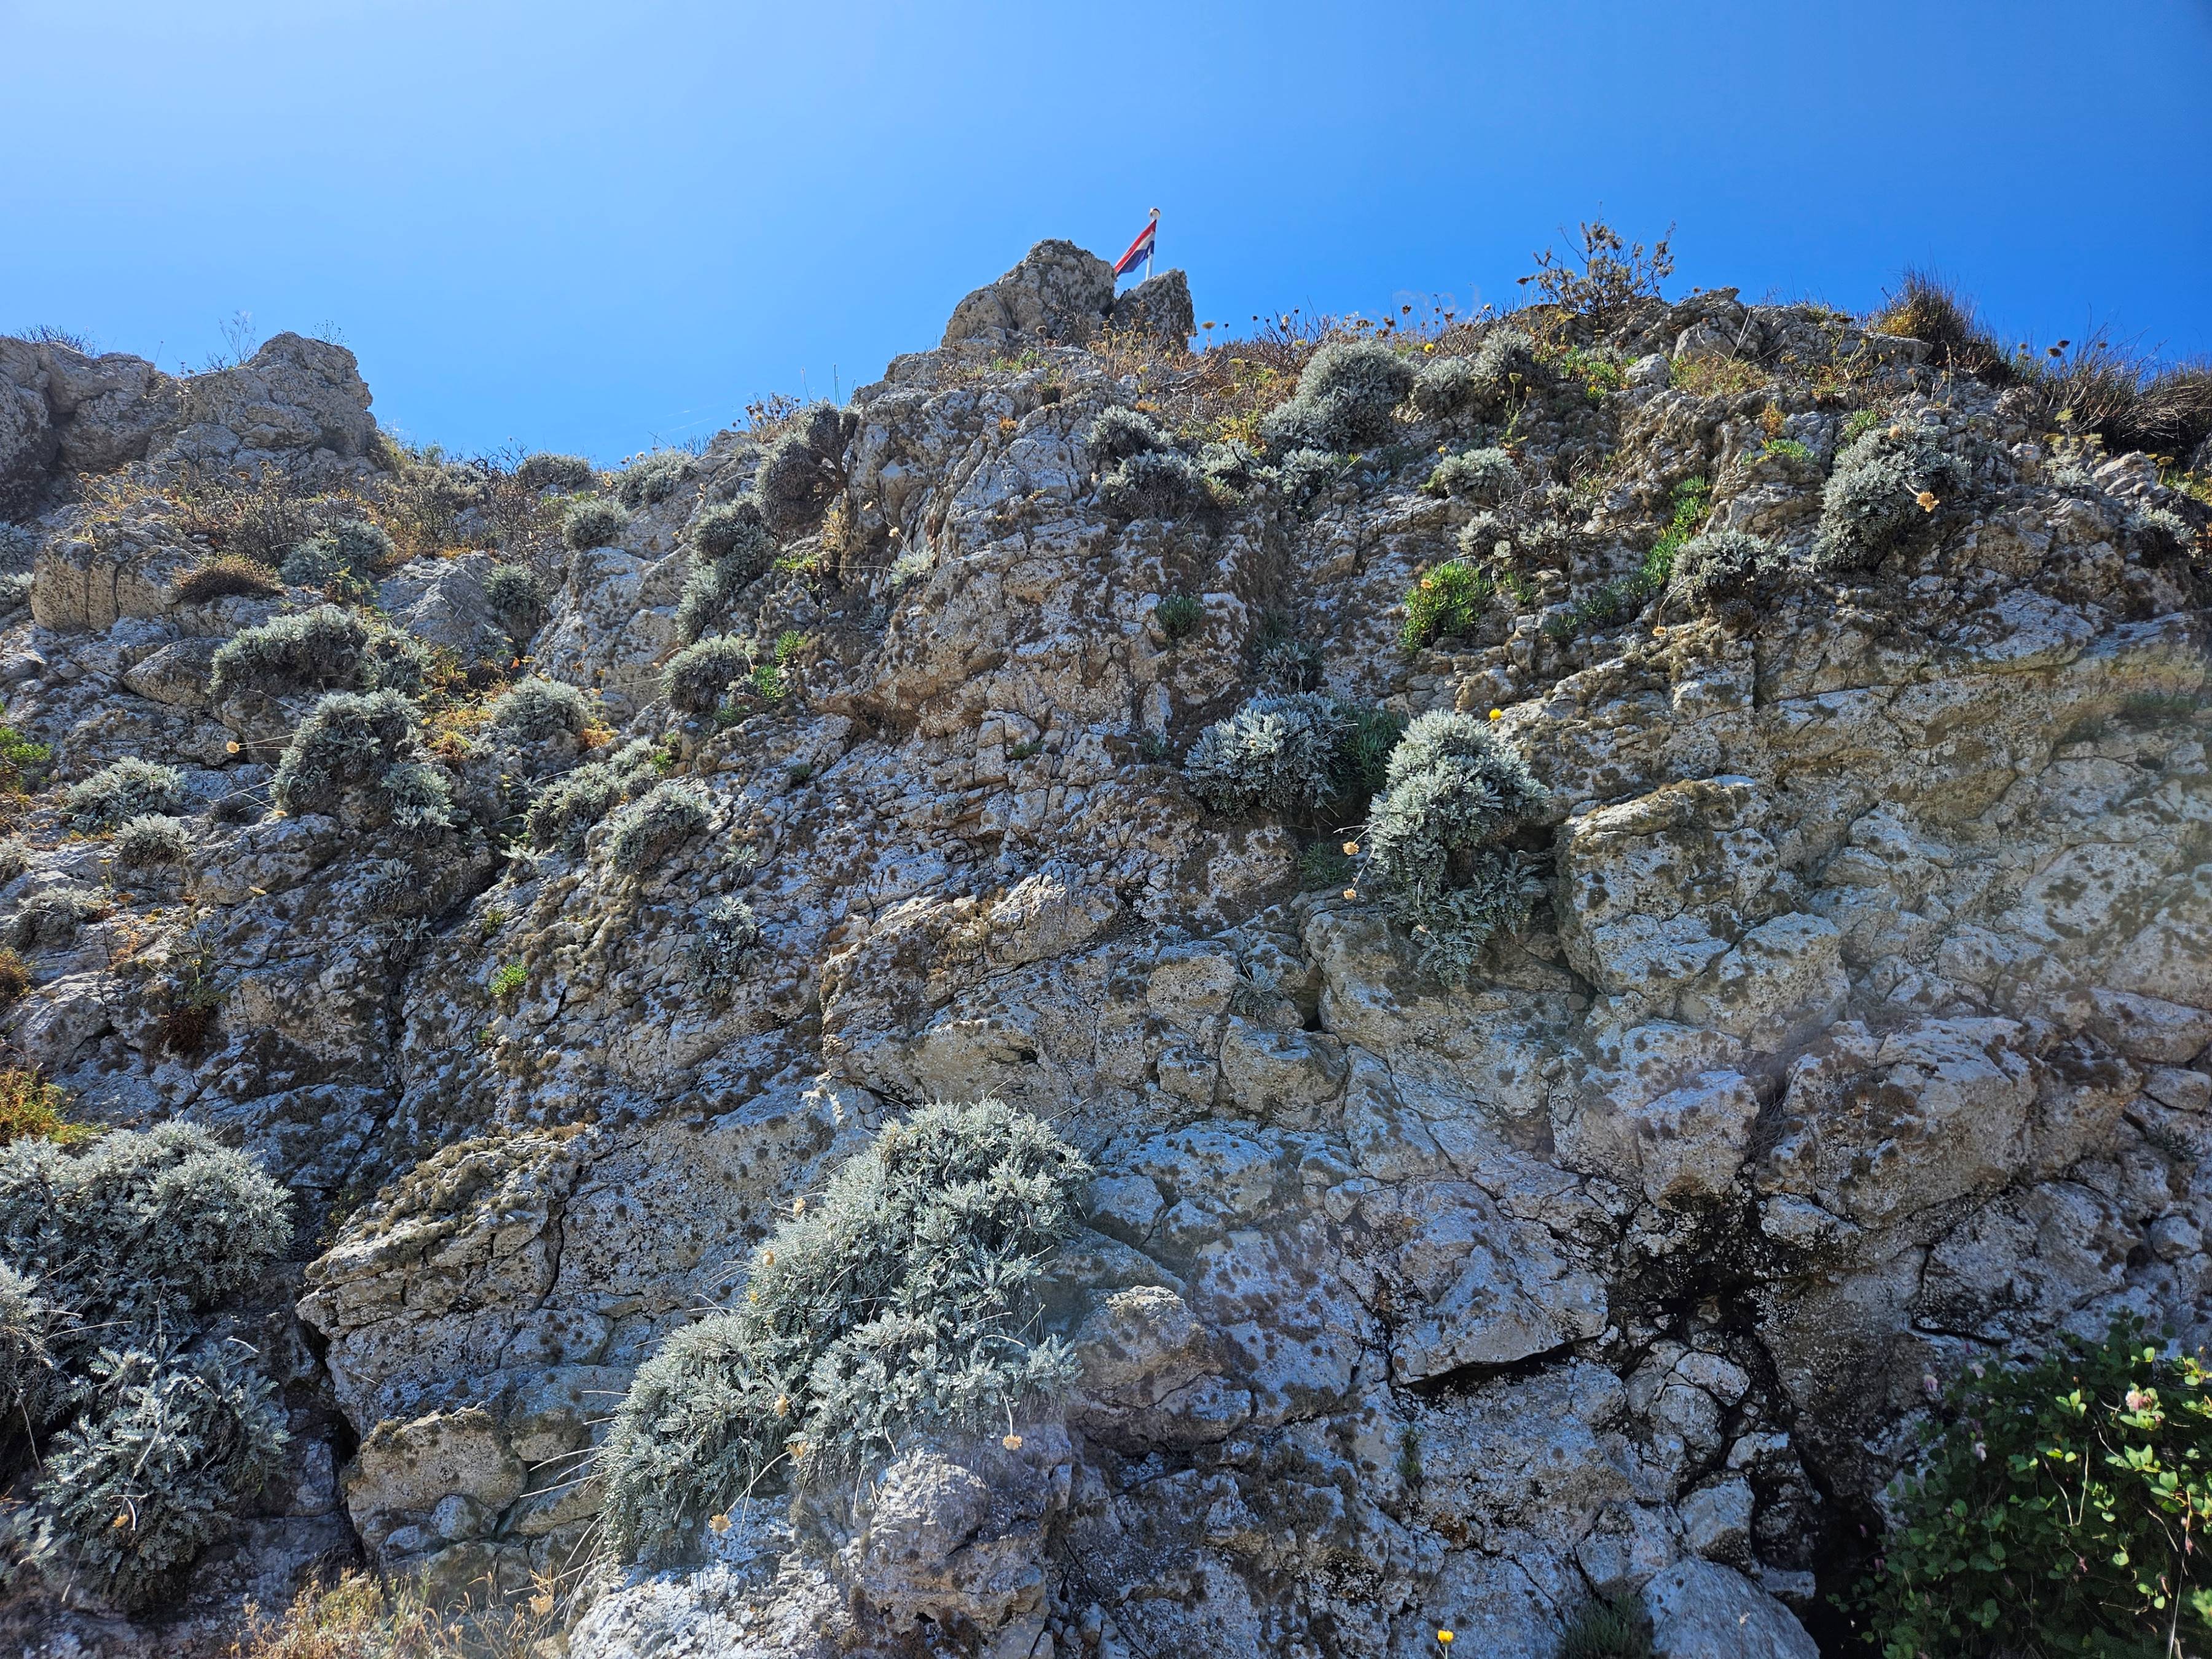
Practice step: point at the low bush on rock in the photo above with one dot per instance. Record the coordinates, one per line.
(546, 470)
(651, 479)
(1726, 569)
(1886, 485)
(700, 676)
(656, 823)
(360, 751)
(727, 933)
(231, 576)
(1161, 484)
(567, 808)
(517, 597)
(2058, 1507)
(730, 549)
(30, 1106)
(121, 791)
(1346, 395)
(153, 1470)
(1446, 603)
(325, 649)
(1451, 795)
(595, 521)
(152, 839)
(537, 709)
(1487, 475)
(905, 1298)
(149, 1433)
(803, 469)
(343, 562)
(1296, 752)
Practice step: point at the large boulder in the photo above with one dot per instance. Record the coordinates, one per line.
(1059, 295)
(1159, 307)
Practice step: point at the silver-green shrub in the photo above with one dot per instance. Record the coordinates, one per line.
(1451, 794)
(1444, 387)
(121, 791)
(567, 808)
(1120, 432)
(730, 549)
(546, 470)
(727, 933)
(1724, 567)
(324, 649)
(655, 824)
(151, 839)
(700, 676)
(535, 709)
(362, 749)
(906, 1297)
(139, 1228)
(1278, 750)
(651, 479)
(1487, 475)
(344, 559)
(1344, 401)
(29, 1379)
(1887, 483)
(516, 595)
(153, 1470)
(1158, 483)
(15, 590)
(594, 521)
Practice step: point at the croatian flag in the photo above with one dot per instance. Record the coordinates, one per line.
(1140, 251)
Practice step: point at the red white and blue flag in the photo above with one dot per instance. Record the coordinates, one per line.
(1140, 251)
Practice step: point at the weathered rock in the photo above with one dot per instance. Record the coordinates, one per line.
(1700, 1610)
(1058, 295)
(1159, 307)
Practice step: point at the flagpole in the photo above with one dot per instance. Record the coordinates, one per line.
(1150, 245)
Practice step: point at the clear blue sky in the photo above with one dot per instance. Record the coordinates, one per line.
(587, 227)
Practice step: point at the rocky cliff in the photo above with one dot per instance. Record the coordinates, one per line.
(1851, 1030)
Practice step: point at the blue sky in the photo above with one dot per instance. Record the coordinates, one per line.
(593, 227)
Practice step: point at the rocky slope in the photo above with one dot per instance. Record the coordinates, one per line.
(1860, 1031)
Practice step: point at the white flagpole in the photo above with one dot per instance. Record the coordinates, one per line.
(1151, 245)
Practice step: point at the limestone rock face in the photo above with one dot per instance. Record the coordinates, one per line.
(1058, 295)
(1859, 1031)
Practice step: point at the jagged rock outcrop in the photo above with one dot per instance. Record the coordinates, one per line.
(1861, 1028)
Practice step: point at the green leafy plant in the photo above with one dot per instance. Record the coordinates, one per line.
(1446, 603)
(2056, 1508)
(31, 1106)
(1608, 1627)
(20, 758)
(804, 470)
(510, 980)
(567, 808)
(1180, 616)
(907, 1297)
(1487, 475)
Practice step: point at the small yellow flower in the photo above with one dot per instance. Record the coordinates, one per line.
(1011, 1442)
(783, 1404)
(768, 1258)
(542, 1604)
(1444, 1637)
(752, 1296)
(799, 1207)
(720, 1523)
(1498, 714)
(1352, 892)
(231, 748)
(797, 1448)
(1431, 346)
(1351, 849)
(1927, 500)
(121, 1521)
